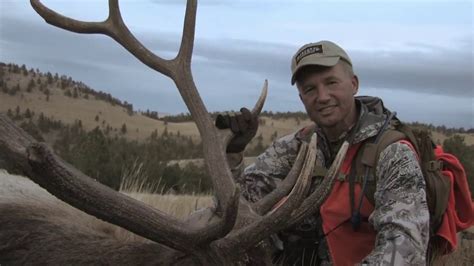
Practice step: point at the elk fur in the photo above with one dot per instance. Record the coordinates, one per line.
(37, 228)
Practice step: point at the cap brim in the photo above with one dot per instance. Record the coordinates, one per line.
(312, 61)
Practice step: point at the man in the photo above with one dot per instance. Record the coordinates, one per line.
(348, 229)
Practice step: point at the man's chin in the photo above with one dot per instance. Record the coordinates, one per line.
(323, 123)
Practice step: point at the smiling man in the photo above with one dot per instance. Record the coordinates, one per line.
(326, 89)
(392, 228)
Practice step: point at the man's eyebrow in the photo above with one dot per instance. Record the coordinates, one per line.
(331, 77)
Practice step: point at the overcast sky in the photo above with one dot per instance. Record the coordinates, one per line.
(416, 55)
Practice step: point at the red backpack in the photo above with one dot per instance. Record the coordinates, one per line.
(448, 195)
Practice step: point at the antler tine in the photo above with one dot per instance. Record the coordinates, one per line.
(278, 218)
(113, 27)
(186, 49)
(66, 23)
(266, 203)
(226, 135)
(261, 100)
(312, 203)
(179, 70)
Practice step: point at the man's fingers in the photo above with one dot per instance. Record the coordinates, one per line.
(243, 124)
(222, 121)
(234, 124)
(237, 122)
(246, 114)
(251, 120)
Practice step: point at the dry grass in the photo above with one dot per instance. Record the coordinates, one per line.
(179, 206)
(139, 127)
(439, 138)
(134, 184)
(68, 109)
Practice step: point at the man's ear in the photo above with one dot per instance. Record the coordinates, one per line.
(355, 84)
(299, 92)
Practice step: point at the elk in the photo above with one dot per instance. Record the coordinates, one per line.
(35, 228)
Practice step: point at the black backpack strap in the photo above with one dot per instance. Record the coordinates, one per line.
(371, 152)
(355, 217)
(369, 163)
(370, 155)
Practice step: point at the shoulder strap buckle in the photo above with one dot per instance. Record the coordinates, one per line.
(434, 166)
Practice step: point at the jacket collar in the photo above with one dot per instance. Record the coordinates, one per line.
(372, 115)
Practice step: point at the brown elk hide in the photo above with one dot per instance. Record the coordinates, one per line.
(37, 228)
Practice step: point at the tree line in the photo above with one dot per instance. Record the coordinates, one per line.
(106, 157)
(44, 82)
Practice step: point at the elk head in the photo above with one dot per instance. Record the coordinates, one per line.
(236, 225)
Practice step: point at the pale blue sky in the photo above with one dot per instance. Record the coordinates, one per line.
(416, 55)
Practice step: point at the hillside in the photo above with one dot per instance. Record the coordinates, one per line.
(78, 121)
(60, 98)
(63, 99)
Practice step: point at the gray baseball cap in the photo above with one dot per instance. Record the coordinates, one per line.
(323, 53)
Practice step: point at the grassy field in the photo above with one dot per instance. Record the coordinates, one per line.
(139, 127)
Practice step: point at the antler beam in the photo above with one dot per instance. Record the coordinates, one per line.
(75, 188)
(179, 70)
(312, 203)
(265, 204)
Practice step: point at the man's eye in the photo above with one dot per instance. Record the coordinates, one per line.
(308, 89)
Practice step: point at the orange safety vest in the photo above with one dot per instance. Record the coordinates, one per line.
(346, 246)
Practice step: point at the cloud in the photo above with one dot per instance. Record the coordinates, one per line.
(223, 65)
(440, 71)
(183, 2)
(433, 70)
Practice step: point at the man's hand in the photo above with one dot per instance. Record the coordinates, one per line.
(243, 124)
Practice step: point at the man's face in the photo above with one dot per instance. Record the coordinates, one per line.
(328, 94)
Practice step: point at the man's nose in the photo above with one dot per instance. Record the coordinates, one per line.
(323, 94)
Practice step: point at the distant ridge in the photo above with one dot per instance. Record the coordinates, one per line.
(61, 98)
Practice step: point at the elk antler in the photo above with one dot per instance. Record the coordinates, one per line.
(70, 185)
(279, 217)
(312, 203)
(179, 70)
(266, 203)
(75, 188)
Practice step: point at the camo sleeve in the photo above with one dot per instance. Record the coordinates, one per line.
(401, 216)
(269, 168)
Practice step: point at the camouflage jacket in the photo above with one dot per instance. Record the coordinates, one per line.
(400, 217)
